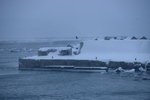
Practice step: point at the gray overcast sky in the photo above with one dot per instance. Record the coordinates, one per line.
(52, 18)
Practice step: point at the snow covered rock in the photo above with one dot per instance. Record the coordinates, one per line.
(119, 69)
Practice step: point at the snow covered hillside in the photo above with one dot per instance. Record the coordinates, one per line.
(120, 50)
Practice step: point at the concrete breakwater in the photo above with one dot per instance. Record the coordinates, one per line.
(90, 54)
(78, 64)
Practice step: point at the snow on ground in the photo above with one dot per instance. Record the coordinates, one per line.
(106, 50)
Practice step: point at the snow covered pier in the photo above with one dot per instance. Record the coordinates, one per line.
(62, 64)
(92, 55)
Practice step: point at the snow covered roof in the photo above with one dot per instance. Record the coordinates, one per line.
(57, 48)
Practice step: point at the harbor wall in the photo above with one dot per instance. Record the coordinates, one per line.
(25, 63)
(55, 63)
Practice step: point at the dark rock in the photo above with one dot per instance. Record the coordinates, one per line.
(107, 38)
(143, 38)
(133, 38)
(145, 78)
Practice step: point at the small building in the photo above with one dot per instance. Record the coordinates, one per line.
(65, 51)
(57, 50)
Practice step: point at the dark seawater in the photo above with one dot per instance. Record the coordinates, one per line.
(57, 85)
